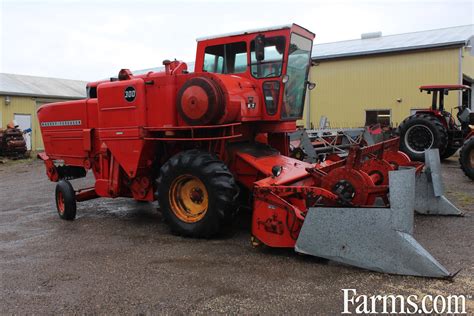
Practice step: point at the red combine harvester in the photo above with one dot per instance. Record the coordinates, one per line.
(188, 140)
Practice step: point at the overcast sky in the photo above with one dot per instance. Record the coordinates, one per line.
(91, 40)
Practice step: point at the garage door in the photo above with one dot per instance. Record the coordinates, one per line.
(24, 122)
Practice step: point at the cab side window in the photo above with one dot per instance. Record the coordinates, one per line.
(226, 59)
(213, 63)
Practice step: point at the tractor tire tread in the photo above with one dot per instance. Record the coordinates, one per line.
(448, 152)
(434, 122)
(464, 159)
(69, 197)
(221, 186)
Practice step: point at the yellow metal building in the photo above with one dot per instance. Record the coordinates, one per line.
(20, 97)
(376, 79)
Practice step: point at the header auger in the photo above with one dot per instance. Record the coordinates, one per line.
(192, 141)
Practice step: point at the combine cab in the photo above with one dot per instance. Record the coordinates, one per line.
(192, 141)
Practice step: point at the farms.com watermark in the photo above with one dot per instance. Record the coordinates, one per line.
(399, 304)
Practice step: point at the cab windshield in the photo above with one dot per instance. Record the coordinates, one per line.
(298, 68)
(272, 64)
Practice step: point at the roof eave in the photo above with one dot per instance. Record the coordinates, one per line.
(391, 50)
(49, 96)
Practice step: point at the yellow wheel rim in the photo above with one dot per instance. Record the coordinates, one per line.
(188, 198)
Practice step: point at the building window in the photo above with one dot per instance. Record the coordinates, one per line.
(382, 117)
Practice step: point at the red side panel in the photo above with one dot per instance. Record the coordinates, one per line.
(122, 104)
(122, 115)
(161, 101)
(62, 125)
(127, 152)
(274, 225)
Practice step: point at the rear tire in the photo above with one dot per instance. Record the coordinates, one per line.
(65, 200)
(448, 152)
(466, 158)
(197, 194)
(420, 132)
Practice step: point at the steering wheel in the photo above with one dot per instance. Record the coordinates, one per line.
(273, 74)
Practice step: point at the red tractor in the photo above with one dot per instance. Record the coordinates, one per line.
(435, 127)
(192, 141)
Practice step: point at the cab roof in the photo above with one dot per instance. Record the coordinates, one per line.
(245, 32)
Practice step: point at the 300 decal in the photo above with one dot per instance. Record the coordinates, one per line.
(130, 94)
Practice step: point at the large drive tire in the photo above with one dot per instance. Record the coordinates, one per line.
(466, 158)
(197, 194)
(65, 200)
(420, 132)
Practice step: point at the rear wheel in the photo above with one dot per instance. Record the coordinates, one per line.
(420, 132)
(466, 158)
(65, 200)
(197, 193)
(449, 152)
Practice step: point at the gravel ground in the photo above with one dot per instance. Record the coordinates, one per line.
(119, 257)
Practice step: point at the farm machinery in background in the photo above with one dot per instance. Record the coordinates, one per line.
(192, 141)
(437, 128)
(425, 129)
(466, 156)
(315, 145)
(12, 142)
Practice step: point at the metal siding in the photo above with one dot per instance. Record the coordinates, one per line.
(345, 88)
(468, 62)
